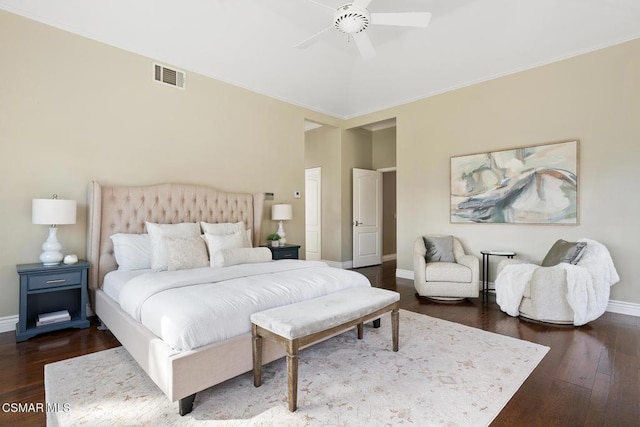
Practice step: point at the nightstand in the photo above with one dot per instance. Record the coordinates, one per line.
(47, 289)
(284, 252)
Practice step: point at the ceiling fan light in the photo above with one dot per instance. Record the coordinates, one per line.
(351, 20)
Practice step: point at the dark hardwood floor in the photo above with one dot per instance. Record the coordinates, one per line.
(590, 377)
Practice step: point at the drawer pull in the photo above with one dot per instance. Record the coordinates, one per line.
(50, 282)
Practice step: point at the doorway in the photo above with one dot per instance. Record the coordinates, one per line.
(367, 217)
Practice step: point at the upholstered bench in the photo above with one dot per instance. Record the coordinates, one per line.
(301, 324)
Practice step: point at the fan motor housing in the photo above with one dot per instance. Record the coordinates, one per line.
(351, 20)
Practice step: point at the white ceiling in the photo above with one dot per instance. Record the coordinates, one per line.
(249, 43)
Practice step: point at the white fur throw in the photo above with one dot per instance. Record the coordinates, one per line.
(588, 283)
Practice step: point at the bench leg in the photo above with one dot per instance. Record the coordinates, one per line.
(257, 356)
(292, 374)
(395, 327)
(360, 330)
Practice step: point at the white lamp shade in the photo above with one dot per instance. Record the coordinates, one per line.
(53, 211)
(281, 212)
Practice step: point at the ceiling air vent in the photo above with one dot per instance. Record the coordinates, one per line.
(169, 76)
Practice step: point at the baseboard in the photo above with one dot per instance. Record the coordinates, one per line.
(337, 264)
(8, 323)
(389, 257)
(620, 307)
(404, 274)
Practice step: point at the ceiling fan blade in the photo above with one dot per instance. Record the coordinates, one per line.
(364, 45)
(406, 19)
(361, 3)
(333, 9)
(314, 38)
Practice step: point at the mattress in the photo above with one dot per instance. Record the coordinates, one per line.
(191, 308)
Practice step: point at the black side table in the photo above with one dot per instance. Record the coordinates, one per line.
(45, 289)
(485, 267)
(284, 251)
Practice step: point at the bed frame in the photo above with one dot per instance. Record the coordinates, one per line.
(121, 209)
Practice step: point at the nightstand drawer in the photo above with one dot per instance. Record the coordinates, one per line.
(52, 280)
(286, 253)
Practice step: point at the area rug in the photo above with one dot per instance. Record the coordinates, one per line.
(443, 374)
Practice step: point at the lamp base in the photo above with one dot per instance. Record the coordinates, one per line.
(51, 254)
(281, 233)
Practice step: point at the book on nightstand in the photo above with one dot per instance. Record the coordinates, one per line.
(53, 317)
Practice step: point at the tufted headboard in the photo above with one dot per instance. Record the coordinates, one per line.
(122, 209)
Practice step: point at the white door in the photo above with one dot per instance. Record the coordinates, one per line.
(313, 216)
(367, 217)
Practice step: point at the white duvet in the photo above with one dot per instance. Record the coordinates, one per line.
(192, 308)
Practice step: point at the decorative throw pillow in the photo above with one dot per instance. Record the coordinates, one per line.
(235, 256)
(132, 251)
(439, 249)
(222, 228)
(218, 242)
(156, 232)
(563, 251)
(184, 254)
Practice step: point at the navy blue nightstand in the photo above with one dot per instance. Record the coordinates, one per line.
(46, 289)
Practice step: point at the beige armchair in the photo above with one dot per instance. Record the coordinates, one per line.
(445, 281)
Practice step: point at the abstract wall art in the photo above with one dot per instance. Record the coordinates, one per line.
(530, 185)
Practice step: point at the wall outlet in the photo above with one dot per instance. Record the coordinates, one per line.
(296, 194)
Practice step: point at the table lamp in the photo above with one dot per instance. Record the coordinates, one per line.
(52, 212)
(281, 212)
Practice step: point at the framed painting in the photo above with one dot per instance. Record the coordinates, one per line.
(530, 185)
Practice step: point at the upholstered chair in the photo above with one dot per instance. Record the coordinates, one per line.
(451, 280)
(570, 286)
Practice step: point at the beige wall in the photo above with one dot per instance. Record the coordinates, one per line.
(322, 149)
(594, 98)
(384, 148)
(74, 110)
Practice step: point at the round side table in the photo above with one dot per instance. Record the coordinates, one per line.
(485, 267)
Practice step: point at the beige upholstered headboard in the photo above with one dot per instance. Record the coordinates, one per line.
(122, 209)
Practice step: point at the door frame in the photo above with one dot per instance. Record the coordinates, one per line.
(389, 257)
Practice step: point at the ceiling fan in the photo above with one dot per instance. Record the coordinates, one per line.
(353, 19)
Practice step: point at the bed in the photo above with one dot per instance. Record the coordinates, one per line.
(179, 373)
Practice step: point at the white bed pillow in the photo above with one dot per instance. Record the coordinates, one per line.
(184, 254)
(234, 256)
(132, 251)
(222, 228)
(218, 242)
(185, 230)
